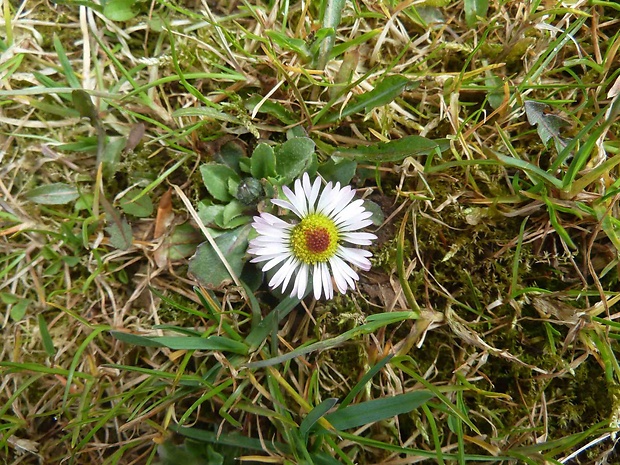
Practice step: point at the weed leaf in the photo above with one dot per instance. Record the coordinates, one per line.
(394, 151)
(120, 10)
(375, 410)
(206, 266)
(547, 125)
(121, 236)
(215, 177)
(384, 93)
(183, 342)
(294, 156)
(475, 9)
(53, 194)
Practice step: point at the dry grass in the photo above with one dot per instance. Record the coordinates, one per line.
(495, 274)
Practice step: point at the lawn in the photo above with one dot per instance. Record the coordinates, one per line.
(147, 156)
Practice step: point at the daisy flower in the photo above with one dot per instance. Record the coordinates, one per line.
(316, 247)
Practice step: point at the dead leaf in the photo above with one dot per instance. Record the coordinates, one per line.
(165, 215)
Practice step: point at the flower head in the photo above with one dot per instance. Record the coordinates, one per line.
(316, 247)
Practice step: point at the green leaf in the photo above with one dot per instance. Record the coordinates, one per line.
(377, 213)
(184, 343)
(84, 105)
(372, 411)
(120, 10)
(183, 241)
(288, 43)
(315, 414)
(53, 194)
(206, 266)
(275, 109)
(48, 344)
(294, 156)
(263, 162)
(232, 211)
(18, 311)
(111, 155)
(547, 125)
(121, 235)
(394, 151)
(475, 9)
(332, 13)
(205, 112)
(384, 92)
(141, 208)
(215, 177)
(70, 76)
(341, 171)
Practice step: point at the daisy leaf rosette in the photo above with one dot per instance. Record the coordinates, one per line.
(318, 249)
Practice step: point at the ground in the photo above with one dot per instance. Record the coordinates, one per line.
(138, 140)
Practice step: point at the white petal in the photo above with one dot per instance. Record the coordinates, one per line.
(274, 261)
(271, 219)
(355, 256)
(313, 195)
(316, 281)
(344, 270)
(359, 238)
(288, 277)
(328, 289)
(299, 199)
(284, 273)
(354, 226)
(324, 198)
(301, 281)
(286, 204)
(339, 277)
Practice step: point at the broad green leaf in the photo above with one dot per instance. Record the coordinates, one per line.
(315, 414)
(183, 342)
(294, 156)
(289, 43)
(377, 214)
(111, 155)
(232, 211)
(141, 208)
(372, 411)
(215, 177)
(275, 109)
(231, 154)
(53, 194)
(384, 92)
(120, 10)
(547, 125)
(183, 241)
(231, 439)
(394, 151)
(341, 171)
(206, 266)
(205, 112)
(121, 235)
(84, 105)
(475, 9)
(18, 311)
(210, 214)
(263, 162)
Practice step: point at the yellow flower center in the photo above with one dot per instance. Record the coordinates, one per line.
(314, 239)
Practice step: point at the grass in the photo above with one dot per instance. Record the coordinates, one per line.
(484, 139)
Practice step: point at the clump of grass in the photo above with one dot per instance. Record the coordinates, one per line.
(484, 136)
